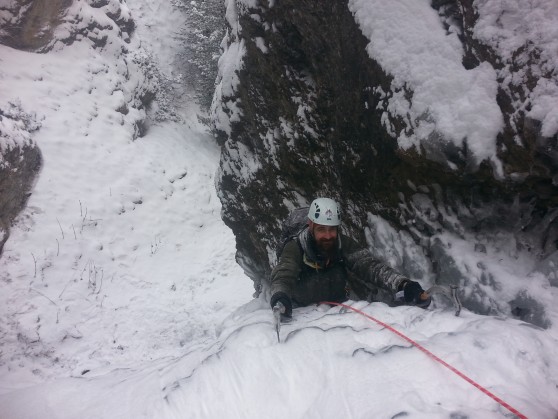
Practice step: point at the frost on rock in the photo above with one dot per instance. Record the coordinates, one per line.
(202, 42)
(468, 82)
(436, 98)
(494, 270)
(524, 35)
(15, 129)
(225, 109)
(101, 22)
(20, 161)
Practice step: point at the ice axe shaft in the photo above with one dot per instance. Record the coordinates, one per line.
(450, 292)
(278, 309)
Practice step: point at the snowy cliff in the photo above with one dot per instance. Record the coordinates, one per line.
(120, 296)
(434, 124)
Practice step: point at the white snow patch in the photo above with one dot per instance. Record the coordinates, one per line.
(448, 101)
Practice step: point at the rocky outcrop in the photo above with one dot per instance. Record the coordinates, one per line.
(20, 161)
(302, 110)
(37, 25)
(30, 24)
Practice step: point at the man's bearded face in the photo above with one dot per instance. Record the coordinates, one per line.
(325, 236)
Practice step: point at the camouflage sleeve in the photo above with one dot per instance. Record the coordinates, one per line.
(285, 274)
(370, 272)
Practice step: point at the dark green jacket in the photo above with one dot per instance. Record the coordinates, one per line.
(307, 277)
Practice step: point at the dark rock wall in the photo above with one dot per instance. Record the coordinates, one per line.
(16, 180)
(308, 126)
(529, 157)
(20, 163)
(301, 103)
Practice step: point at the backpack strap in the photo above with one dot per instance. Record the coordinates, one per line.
(289, 239)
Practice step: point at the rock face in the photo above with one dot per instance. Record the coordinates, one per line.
(31, 25)
(302, 110)
(20, 161)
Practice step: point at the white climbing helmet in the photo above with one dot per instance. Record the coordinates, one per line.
(324, 211)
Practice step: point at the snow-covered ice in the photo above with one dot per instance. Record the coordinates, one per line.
(120, 296)
(329, 364)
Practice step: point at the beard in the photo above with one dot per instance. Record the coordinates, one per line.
(326, 245)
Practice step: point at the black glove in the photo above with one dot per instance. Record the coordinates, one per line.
(283, 299)
(415, 295)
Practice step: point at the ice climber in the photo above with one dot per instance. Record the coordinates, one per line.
(315, 264)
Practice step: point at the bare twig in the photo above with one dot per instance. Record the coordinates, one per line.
(62, 231)
(35, 261)
(40, 293)
(101, 280)
(93, 276)
(83, 220)
(66, 286)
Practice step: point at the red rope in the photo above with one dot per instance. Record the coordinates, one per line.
(431, 355)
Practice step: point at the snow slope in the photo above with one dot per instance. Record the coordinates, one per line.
(120, 296)
(329, 364)
(120, 256)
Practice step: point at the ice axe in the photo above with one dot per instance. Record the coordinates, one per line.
(450, 292)
(278, 309)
